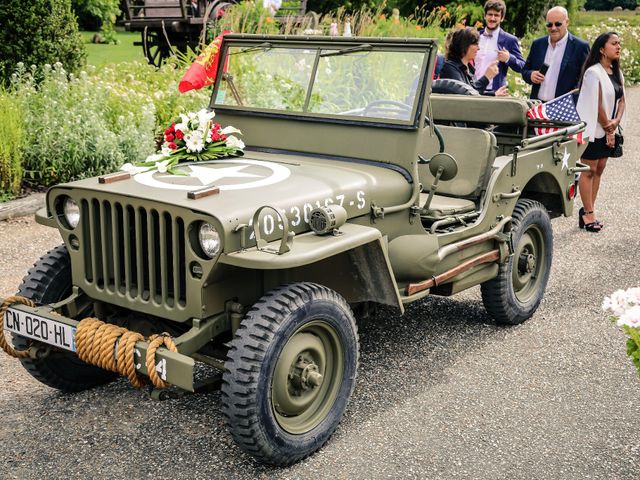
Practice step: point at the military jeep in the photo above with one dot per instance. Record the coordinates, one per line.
(358, 188)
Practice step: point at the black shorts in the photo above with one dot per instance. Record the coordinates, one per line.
(598, 149)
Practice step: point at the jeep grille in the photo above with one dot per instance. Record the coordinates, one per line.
(134, 251)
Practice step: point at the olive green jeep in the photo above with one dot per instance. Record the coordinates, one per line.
(358, 188)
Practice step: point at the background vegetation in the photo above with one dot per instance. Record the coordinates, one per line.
(38, 32)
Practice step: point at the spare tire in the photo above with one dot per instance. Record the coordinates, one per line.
(448, 85)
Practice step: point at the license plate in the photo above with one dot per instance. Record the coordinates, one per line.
(42, 329)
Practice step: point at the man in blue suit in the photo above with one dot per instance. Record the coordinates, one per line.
(496, 44)
(554, 64)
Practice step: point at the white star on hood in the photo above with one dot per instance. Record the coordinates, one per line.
(208, 175)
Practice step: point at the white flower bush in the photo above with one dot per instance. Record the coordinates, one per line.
(76, 126)
(624, 306)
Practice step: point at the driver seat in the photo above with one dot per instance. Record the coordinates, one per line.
(474, 150)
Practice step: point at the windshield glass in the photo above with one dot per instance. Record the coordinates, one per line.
(361, 82)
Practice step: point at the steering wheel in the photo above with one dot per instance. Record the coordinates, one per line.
(388, 109)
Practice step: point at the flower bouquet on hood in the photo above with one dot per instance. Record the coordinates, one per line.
(624, 306)
(192, 137)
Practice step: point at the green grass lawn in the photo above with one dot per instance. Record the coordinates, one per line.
(100, 54)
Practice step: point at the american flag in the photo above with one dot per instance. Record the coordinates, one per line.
(562, 108)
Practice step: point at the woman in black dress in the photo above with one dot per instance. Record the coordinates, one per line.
(461, 51)
(601, 105)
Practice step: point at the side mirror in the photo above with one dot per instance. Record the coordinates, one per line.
(443, 167)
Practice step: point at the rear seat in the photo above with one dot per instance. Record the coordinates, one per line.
(480, 109)
(474, 151)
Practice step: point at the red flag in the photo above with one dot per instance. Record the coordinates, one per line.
(202, 72)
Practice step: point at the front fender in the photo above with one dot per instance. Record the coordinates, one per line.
(306, 249)
(359, 252)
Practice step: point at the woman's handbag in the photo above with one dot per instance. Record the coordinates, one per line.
(617, 147)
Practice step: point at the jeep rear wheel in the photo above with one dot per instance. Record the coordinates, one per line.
(515, 294)
(290, 372)
(49, 281)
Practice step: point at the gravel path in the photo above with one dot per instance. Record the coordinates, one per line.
(442, 392)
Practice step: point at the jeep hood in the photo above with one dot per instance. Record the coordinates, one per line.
(294, 183)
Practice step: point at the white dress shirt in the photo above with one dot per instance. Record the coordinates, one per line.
(487, 53)
(553, 58)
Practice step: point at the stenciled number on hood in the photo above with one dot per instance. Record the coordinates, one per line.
(297, 215)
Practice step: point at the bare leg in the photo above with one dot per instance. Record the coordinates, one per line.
(585, 187)
(602, 163)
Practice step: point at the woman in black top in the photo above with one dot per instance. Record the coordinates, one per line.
(462, 49)
(601, 104)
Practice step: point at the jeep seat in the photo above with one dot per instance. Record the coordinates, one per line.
(474, 151)
(442, 207)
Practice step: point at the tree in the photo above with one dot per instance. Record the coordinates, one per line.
(38, 32)
(609, 4)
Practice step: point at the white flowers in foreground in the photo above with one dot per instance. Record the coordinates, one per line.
(625, 307)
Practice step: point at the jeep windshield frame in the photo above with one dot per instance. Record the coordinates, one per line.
(358, 80)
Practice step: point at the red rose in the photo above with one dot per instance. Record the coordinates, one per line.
(172, 146)
(223, 136)
(170, 130)
(179, 134)
(169, 137)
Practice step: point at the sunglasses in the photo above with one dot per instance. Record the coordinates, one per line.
(557, 24)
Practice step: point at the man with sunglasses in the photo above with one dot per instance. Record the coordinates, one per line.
(555, 62)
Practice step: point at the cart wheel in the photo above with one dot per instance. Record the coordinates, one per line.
(155, 47)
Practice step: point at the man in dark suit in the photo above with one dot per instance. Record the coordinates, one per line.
(496, 44)
(555, 62)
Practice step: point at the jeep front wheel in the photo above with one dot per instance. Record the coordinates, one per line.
(49, 281)
(515, 294)
(290, 372)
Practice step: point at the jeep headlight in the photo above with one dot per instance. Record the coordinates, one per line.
(71, 212)
(209, 239)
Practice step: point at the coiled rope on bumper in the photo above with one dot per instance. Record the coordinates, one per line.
(4, 343)
(104, 345)
(112, 348)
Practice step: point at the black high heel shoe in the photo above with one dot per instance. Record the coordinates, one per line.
(589, 227)
(580, 220)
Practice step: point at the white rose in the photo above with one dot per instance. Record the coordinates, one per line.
(235, 142)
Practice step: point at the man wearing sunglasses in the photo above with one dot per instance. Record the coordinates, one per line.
(555, 62)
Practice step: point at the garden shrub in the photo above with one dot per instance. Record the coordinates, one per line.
(80, 126)
(10, 147)
(38, 32)
(93, 123)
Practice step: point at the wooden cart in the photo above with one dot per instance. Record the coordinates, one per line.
(167, 25)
